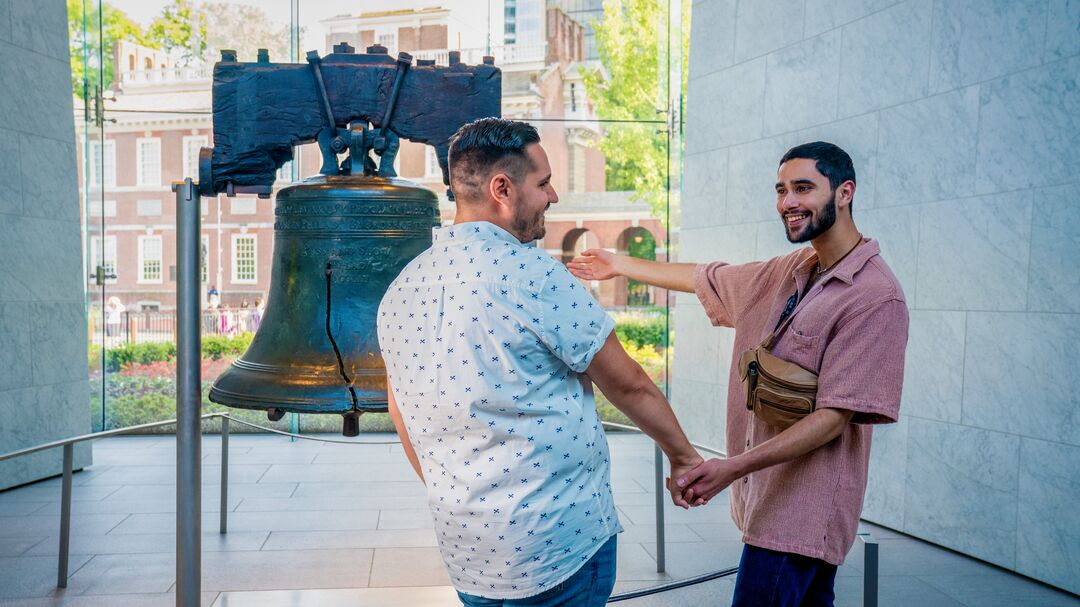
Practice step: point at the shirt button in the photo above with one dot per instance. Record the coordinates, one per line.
(746, 479)
(747, 443)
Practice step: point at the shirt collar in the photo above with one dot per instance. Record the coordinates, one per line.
(471, 230)
(849, 266)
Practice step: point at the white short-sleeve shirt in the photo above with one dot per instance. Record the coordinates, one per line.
(484, 341)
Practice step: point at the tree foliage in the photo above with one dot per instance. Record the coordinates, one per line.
(181, 30)
(245, 29)
(102, 30)
(632, 85)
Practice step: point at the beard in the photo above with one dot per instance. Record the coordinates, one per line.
(529, 227)
(819, 224)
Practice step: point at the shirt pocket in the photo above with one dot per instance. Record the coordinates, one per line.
(803, 350)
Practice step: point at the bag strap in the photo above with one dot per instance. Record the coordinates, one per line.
(785, 320)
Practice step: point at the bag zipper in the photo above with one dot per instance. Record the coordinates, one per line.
(755, 369)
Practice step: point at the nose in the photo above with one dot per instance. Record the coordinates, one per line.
(553, 196)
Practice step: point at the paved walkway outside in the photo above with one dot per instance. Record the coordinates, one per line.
(322, 524)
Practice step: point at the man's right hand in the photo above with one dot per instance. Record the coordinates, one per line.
(594, 264)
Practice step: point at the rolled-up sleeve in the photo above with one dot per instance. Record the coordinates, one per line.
(573, 325)
(863, 365)
(725, 290)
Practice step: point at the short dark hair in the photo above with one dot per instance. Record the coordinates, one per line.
(487, 146)
(830, 160)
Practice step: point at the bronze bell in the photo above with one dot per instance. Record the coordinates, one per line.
(339, 241)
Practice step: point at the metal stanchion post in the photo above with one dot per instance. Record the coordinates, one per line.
(189, 400)
(661, 552)
(224, 523)
(65, 518)
(870, 570)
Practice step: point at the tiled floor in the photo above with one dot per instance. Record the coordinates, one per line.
(323, 524)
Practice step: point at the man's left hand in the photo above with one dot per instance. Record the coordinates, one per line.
(678, 470)
(701, 484)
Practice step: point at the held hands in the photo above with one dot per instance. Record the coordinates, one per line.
(679, 469)
(703, 482)
(594, 264)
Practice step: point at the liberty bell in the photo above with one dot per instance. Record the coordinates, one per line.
(341, 237)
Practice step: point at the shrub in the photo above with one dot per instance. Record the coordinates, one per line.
(216, 347)
(641, 330)
(120, 356)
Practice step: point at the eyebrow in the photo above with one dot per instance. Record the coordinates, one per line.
(780, 184)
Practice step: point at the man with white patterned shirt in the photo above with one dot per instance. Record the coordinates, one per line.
(491, 347)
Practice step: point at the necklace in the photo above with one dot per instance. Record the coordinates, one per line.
(820, 270)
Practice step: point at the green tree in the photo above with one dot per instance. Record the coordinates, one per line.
(631, 42)
(245, 29)
(102, 29)
(181, 29)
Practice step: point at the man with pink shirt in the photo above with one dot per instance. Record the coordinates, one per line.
(797, 493)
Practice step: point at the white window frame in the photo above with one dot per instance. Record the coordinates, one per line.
(100, 256)
(144, 276)
(432, 169)
(243, 205)
(192, 145)
(284, 174)
(104, 207)
(204, 258)
(108, 160)
(140, 203)
(384, 34)
(236, 278)
(141, 176)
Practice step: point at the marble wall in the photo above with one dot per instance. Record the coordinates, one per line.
(963, 119)
(44, 394)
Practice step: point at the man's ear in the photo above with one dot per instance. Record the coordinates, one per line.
(501, 189)
(845, 193)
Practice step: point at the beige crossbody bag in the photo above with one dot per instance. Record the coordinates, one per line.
(779, 392)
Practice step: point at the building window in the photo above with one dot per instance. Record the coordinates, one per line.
(150, 259)
(204, 259)
(576, 174)
(242, 206)
(103, 253)
(389, 40)
(148, 169)
(99, 208)
(103, 164)
(431, 163)
(148, 208)
(284, 174)
(244, 259)
(192, 145)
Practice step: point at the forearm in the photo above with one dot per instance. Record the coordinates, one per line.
(671, 276)
(402, 432)
(646, 406)
(809, 433)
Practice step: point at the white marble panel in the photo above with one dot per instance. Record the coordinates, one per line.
(15, 334)
(1020, 374)
(973, 253)
(5, 21)
(732, 244)
(700, 409)
(762, 26)
(58, 346)
(697, 351)
(704, 189)
(735, 113)
(934, 367)
(1063, 30)
(1054, 281)
(44, 194)
(43, 86)
(1048, 535)
(926, 149)
(751, 179)
(858, 137)
(896, 231)
(10, 177)
(40, 27)
(886, 480)
(824, 15)
(802, 84)
(884, 58)
(975, 40)
(41, 260)
(1029, 128)
(961, 489)
(37, 415)
(712, 36)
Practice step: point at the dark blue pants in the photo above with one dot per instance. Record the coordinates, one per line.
(768, 578)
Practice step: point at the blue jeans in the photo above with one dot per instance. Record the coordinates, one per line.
(768, 578)
(590, 586)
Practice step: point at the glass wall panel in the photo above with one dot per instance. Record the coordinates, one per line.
(601, 81)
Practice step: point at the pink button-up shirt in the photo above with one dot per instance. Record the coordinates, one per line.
(851, 329)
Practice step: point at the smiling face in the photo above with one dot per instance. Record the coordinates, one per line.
(805, 200)
(533, 194)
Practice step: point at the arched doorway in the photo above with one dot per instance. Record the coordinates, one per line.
(576, 241)
(636, 242)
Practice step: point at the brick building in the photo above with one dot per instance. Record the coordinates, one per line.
(160, 119)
